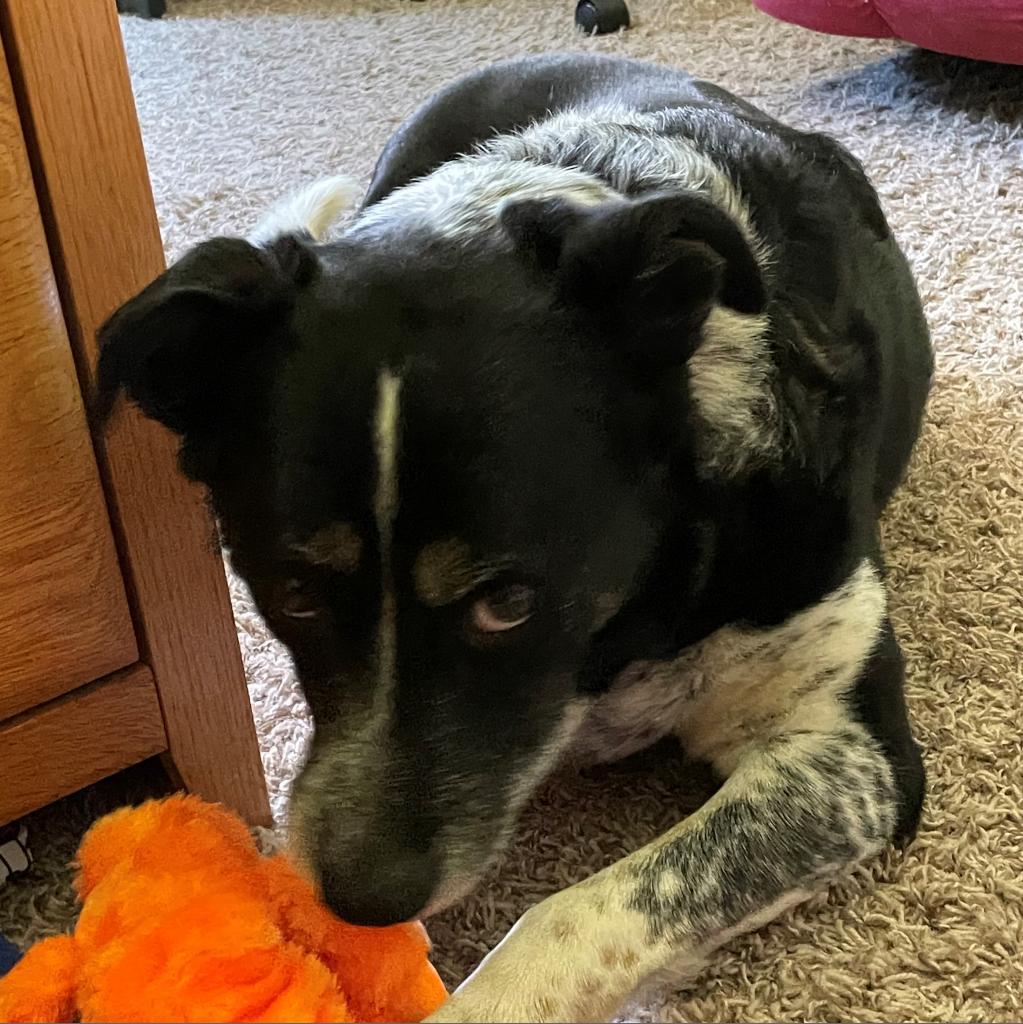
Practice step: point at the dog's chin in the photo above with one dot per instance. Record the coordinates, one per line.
(450, 892)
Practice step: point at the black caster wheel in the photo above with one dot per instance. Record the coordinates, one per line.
(597, 17)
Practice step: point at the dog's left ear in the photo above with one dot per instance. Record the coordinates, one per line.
(659, 264)
(202, 339)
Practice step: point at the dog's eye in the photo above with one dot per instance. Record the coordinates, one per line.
(503, 609)
(299, 601)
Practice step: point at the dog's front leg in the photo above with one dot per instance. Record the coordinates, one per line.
(794, 812)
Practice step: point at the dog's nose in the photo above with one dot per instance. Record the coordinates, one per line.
(385, 884)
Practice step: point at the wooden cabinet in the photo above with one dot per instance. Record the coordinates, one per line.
(116, 636)
(65, 618)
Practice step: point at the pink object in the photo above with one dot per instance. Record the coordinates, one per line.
(982, 29)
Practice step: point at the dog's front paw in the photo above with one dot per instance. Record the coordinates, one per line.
(546, 969)
(486, 1003)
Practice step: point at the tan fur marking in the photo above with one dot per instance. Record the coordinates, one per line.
(336, 546)
(546, 1007)
(606, 607)
(610, 957)
(444, 572)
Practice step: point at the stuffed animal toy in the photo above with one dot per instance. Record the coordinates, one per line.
(183, 920)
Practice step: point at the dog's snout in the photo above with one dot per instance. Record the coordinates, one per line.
(385, 883)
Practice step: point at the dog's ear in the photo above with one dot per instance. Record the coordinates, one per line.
(184, 349)
(657, 265)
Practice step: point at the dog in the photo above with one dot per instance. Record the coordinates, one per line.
(576, 437)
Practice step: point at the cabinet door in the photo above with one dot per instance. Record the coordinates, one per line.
(64, 616)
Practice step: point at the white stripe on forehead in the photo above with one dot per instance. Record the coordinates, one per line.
(387, 443)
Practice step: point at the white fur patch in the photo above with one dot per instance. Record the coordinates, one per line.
(312, 210)
(750, 684)
(464, 198)
(632, 152)
(731, 382)
(740, 684)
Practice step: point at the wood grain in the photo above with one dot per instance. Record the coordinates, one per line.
(75, 97)
(64, 616)
(87, 735)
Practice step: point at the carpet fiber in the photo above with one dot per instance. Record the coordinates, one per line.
(241, 100)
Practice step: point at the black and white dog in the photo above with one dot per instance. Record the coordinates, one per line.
(576, 438)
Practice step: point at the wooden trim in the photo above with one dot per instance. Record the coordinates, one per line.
(72, 84)
(86, 735)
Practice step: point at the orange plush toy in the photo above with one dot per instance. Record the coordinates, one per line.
(183, 920)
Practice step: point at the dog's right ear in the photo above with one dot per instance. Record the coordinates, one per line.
(652, 268)
(187, 349)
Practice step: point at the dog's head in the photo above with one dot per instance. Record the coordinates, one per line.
(442, 466)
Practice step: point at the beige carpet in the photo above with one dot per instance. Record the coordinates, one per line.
(240, 100)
